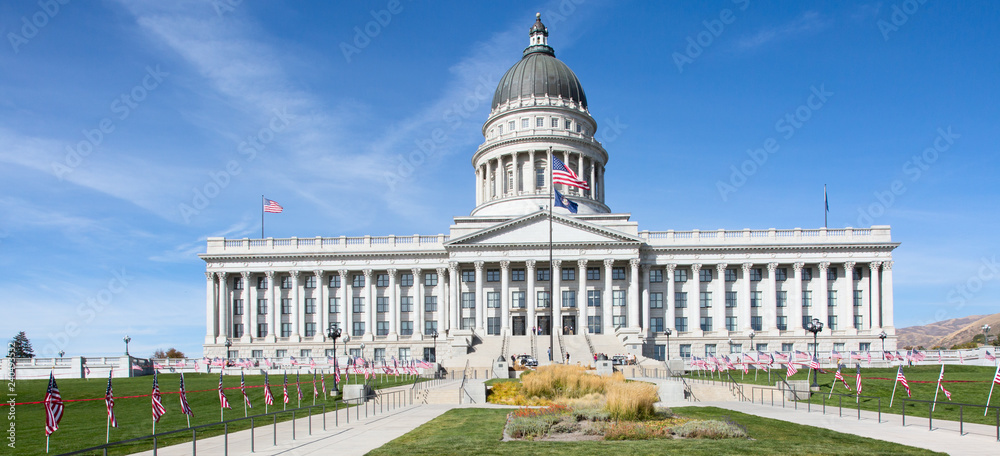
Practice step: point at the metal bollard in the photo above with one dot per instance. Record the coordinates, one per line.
(251, 435)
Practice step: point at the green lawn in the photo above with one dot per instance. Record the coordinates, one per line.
(973, 389)
(84, 423)
(478, 431)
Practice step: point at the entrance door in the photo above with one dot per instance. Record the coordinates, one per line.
(519, 326)
(544, 325)
(569, 324)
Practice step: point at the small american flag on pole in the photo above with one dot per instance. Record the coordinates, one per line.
(243, 389)
(902, 379)
(941, 382)
(268, 397)
(158, 409)
(561, 174)
(272, 206)
(185, 408)
(857, 382)
(840, 376)
(790, 370)
(53, 406)
(109, 402)
(222, 396)
(284, 388)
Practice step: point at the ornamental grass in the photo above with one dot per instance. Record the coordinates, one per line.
(631, 401)
(564, 381)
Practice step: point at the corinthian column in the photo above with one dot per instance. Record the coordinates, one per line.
(743, 300)
(245, 296)
(822, 301)
(556, 298)
(369, 306)
(845, 305)
(480, 307)
(211, 312)
(298, 316)
(645, 298)
(272, 307)
(346, 304)
(719, 302)
(418, 303)
(504, 295)
(876, 293)
(633, 295)
(392, 316)
(671, 302)
(607, 326)
(322, 309)
(223, 307)
(529, 293)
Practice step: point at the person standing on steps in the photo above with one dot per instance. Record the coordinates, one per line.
(550, 354)
(567, 357)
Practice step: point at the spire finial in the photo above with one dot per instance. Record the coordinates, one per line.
(538, 16)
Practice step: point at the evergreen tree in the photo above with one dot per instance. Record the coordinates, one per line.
(21, 346)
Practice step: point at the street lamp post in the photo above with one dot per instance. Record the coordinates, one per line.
(730, 346)
(334, 333)
(61, 353)
(882, 335)
(434, 335)
(752, 335)
(986, 334)
(228, 344)
(127, 339)
(815, 326)
(667, 332)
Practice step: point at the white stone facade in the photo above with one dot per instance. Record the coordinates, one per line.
(487, 278)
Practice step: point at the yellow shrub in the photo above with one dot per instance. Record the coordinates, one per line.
(631, 401)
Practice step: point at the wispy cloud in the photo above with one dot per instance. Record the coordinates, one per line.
(808, 22)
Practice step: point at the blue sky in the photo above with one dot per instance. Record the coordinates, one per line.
(124, 126)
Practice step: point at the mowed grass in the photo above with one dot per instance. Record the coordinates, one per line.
(972, 387)
(84, 423)
(479, 432)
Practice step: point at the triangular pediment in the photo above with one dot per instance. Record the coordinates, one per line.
(534, 229)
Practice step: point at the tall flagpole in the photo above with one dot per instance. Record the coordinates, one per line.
(992, 384)
(262, 216)
(936, 390)
(826, 207)
(552, 271)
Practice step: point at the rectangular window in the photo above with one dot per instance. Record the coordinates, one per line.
(680, 275)
(381, 328)
(381, 304)
(756, 275)
(430, 326)
(618, 298)
(858, 298)
(730, 275)
(569, 298)
(756, 323)
(524, 123)
(430, 303)
(781, 299)
(542, 275)
(859, 321)
(493, 326)
(762, 348)
(358, 305)
(787, 347)
(568, 123)
(310, 329)
(594, 324)
(286, 306)
(839, 347)
(617, 273)
(831, 322)
(238, 330)
(706, 323)
(379, 355)
(237, 283)
(358, 281)
(286, 329)
(261, 329)
(655, 276)
(517, 275)
(705, 299)
(831, 274)
(517, 299)
(381, 280)
(261, 307)
(310, 305)
(681, 324)
(467, 323)
(334, 305)
(811, 348)
(406, 304)
(492, 275)
(593, 298)
(730, 323)
(730, 299)
(782, 323)
(540, 176)
(310, 281)
(619, 321)
(468, 300)
(831, 298)
(500, 129)
(542, 300)
(492, 300)
(237, 307)
(656, 300)
(510, 125)
(539, 121)
(261, 283)
(431, 279)
(807, 274)
(865, 346)
(756, 297)
(328, 352)
(807, 298)
(705, 275)
(286, 282)
(806, 319)
(709, 350)
(469, 276)
(569, 273)
(281, 353)
(334, 281)
(406, 279)
(680, 299)
(781, 274)
(257, 354)
(857, 274)
(656, 324)
(404, 354)
(354, 352)
(685, 350)
(593, 273)
(555, 122)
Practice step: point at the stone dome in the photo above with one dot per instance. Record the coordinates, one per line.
(539, 73)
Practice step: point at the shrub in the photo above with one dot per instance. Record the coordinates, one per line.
(710, 429)
(560, 380)
(564, 427)
(591, 414)
(631, 401)
(527, 427)
(637, 430)
(506, 393)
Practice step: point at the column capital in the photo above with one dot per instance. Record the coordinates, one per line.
(556, 264)
(416, 272)
(849, 268)
(392, 272)
(798, 266)
(670, 269)
(209, 275)
(746, 267)
(505, 265)
(608, 262)
(222, 276)
(530, 264)
(695, 268)
(270, 275)
(874, 265)
(319, 276)
(645, 267)
(582, 264)
(368, 274)
(343, 274)
(245, 275)
(634, 262)
(771, 267)
(441, 271)
(823, 266)
(479, 265)
(721, 267)
(294, 274)
(453, 265)
(887, 265)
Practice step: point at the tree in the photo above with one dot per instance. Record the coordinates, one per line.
(170, 353)
(20, 346)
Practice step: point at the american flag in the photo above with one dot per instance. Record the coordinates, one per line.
(109, 402)
(996, 377)
(941, 383)
(336, 372)
(802, 355)
(268, 397)
(990, 357)
(298, 386)
(158, 409)
(780, 356)
(272, 206)
(790, 370)
(315, 391)
(222, 396)
(53, 406)
(857, 356)
(834, 354)
(561, 174)
(814, 363)
(322, 381)
(185, 408)
(889, 356)
(284, 388)
(840, 376)
(960, 358)
(902, 379)
(857, 382)
(243, 389)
